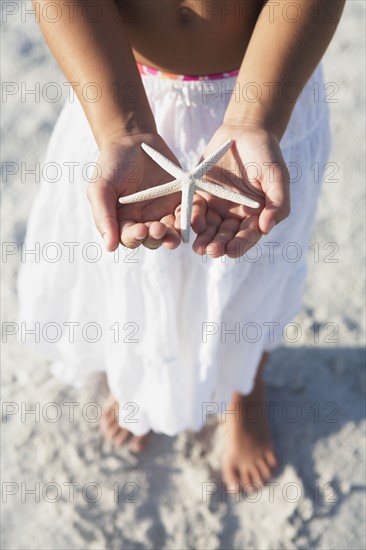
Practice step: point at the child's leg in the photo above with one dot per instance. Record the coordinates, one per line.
(249, 455)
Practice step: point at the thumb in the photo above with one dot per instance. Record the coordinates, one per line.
(103, 202)
(276, 187)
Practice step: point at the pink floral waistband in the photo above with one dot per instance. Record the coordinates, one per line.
(145, 70)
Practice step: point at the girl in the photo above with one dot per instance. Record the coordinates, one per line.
(181, 332)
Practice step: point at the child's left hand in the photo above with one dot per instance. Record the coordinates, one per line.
(254, 165)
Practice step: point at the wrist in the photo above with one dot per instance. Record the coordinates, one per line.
(258, 116)
(122, 133)
(113, 123)
(126, 138)
(257, 123)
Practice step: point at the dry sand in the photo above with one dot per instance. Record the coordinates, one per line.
(318, 500)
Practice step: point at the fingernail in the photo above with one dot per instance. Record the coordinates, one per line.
(271, 225)
(210, 250)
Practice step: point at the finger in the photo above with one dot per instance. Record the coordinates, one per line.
(276, 186)
(213, 221)
(103, 203)
(156, 233)
(247, 236)
(172, 237)
(202, 241)
(224, 234)
(132, 234)
(199, 209)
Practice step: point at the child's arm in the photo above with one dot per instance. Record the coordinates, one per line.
(98, 52)
(121, 119)
(280, 58)
(287, 44)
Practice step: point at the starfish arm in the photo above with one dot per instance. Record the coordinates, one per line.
(210, 161)
(186, 209)
(165, 163)
(224, 193)
(152, 192)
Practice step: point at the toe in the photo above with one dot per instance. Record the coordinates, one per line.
(271, 459)
(231, 477)
(265, 470)
(111, 431)
(256, 479)
(244, 478)
(106, 421)
(139, 443)
(107, 424)
(121, 437)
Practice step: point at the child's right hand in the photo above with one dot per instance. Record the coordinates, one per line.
(124, 168)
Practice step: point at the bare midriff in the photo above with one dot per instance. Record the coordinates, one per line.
(190, 36)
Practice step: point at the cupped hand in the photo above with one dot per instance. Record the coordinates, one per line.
(254, 165)
(124, 168)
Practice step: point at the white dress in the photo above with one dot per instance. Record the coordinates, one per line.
(175, 333)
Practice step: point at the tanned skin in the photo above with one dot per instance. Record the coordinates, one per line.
(271, 43)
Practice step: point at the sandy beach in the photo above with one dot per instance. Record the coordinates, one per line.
(63, 487)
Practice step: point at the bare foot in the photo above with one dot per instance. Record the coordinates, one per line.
(249, 457)
(114, 433)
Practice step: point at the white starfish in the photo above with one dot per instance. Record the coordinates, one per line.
(188, 182)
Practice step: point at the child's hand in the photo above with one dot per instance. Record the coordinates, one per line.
(255, 165)
(124, 169)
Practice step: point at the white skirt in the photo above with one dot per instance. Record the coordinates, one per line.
(175, 333)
